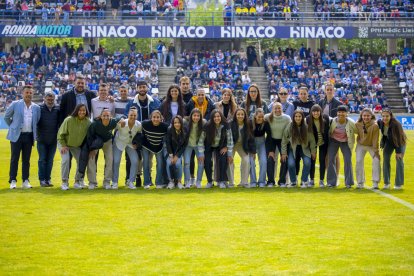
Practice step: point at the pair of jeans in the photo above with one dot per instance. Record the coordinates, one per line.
(146, 156)
(272, 165)
(292, 166)
(262, 157)
(323, 151)
(175, 171)
(24, 145)
(221, 159)
(133, 158)
(188, 153)
(92, 166)
(332, 176)
(45, 163)
(399, 175)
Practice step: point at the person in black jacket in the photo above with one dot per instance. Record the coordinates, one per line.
(202, 102)
(47, 129)
(393, 138)
(75, 96)
(330, 104)
(176, 142)
(244, 145)
(318, 125)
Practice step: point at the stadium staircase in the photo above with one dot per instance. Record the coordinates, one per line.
(166, 77)
(393, 92)
(258, 76)
(305, 6)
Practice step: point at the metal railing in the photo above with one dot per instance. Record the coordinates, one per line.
(216, 18)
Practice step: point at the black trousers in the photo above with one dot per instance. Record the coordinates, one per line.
(323, 151)
(24, 146)
(271, 166)
(221, 161)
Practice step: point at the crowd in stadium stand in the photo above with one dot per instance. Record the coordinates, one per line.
(216, 70)
(363, 10)
(58, 12)
(264, 9)
(55, 68)
(403, 68)
(354, 75)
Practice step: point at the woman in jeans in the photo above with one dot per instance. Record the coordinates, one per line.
(297, 140)
(393, 138)
(70, 137)
(216, 138)
(127, 139)
(261, 129)
(153, 132)
(193, 128)
(175, 146)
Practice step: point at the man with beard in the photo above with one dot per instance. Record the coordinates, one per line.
(77, 95)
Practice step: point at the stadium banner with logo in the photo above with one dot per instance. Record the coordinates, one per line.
(407, 122)
(197, 32)
(386, 32)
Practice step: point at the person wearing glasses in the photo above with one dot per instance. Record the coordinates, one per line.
(341, 135)
(127, 138)
(287, 107)
(367, 141)
(254, 101)
(393, 138)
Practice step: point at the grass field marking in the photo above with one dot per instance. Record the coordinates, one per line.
(394, 198)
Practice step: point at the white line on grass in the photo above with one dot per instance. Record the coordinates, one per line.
(393, 198)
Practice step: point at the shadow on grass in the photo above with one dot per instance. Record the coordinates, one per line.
(142, 192)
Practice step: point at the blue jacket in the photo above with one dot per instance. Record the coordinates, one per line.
(14, 119)
(153, 104)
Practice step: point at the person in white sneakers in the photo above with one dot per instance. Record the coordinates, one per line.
(176, 142)
(128, 139)
(70, 137)
(22, 117)
(367, 141)
(297, 141)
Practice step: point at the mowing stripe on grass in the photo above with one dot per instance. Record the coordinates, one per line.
(394, 198)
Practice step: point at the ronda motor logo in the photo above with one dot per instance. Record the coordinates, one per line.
(36, 30)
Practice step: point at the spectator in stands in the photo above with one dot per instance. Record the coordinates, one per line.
(115, 6)
(22, 117)
(47, 129)
(66, 12)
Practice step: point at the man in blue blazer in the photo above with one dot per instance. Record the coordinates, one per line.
(22, 117)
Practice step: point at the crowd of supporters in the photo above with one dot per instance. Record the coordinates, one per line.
(264, 9)
(55, 68)
(356, 76)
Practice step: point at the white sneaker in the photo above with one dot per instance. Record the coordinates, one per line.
(106, 186)
(64, 186)
(180, 186)
(231, 185)
(209, 185)
(304, 185)
(83, 185)
(131, 185)
(188, 185)
(311, 184)
(282, 185)
(198, 185)
(386, 187)
(92, 186)
(360, 186)
(159, 186)
(398, 187)
(114, 186)
(26, 185)
(192, 181)
(262, 185)
(252, 185)
(13, 184)
(270, 185)
(171, 185)
(375, 186)
(292, 185)
(222, 185)
(321, 184)
(146, 187)
(77, 185)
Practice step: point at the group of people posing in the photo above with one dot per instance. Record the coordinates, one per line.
(189, 134)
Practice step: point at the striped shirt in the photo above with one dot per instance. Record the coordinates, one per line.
(153, 136)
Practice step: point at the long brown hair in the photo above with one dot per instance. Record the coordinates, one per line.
(166, 105)
(210, 127)
(316, 107)
(399, 138)
(258, 99)
(76, 111)
(366, 110)
(299, 132)
(232, 101)
(199, 124)
(258, 110)
(246, 122)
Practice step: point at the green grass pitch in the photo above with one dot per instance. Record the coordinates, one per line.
(46, 231)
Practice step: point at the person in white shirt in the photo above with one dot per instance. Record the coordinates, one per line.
(102, 101)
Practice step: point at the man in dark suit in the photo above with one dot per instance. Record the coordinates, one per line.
(77, 95)
(22, 117)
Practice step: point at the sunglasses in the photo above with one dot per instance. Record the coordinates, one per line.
(283, 94)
